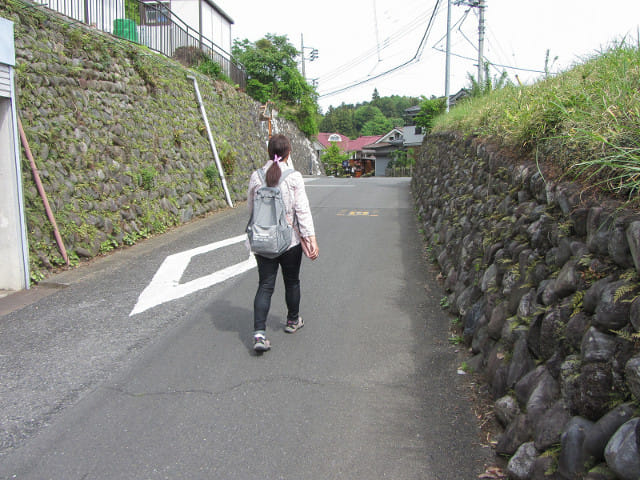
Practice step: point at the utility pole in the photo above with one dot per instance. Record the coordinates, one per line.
(302, 55)
(313, 55)
(481, 7)
(448, 57)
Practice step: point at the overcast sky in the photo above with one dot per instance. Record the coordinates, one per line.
(360, 39)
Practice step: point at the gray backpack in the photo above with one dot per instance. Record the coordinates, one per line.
(268, 230)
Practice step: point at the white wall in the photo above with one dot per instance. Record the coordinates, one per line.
(187, 11)
(12, 273)
(13, 240)
(214, 27)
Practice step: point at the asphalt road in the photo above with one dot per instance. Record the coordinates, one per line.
(368, 389)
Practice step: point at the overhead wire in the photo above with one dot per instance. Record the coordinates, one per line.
(398, 67)
(458, 25)
(404, 31)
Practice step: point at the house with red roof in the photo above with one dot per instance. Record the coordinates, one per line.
(361, 159)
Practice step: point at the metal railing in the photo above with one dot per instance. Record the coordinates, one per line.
(149, 23)
(399, 171)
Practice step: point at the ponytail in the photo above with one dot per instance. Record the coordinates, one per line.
(273, 174)
(279, 149)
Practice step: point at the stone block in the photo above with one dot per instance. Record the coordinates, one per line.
(622, 453)
(521, 464)
(633, 239)
(571, 464)
(597, 438)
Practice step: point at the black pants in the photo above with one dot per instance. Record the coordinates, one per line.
(267, 273)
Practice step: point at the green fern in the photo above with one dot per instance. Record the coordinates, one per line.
(629, 275)
(585, 261)
(578, 299)
(623, 291)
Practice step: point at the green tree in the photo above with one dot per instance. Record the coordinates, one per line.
(272, 74)
(343, 121)
(326, 124)
(363, 114)
(333, 158)
(378, 125)
(352, 121)
(429, 109)
(375, 97)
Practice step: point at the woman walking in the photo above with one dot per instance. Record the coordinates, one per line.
(303, 240)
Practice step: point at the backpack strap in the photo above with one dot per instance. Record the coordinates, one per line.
(285, 174)
(263, 176)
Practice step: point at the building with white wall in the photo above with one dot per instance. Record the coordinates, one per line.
(14, 252)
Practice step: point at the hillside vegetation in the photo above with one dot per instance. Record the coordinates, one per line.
(583, 124)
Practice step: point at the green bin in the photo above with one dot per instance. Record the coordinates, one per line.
(125, 28)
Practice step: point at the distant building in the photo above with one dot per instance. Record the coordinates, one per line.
(361, 159)
(383, 148)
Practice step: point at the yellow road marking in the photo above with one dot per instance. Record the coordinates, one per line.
(357, 213)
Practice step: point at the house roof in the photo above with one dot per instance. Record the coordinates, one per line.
(323, 138)
(387, 136)
(360, 142)
(374, 146)
(346, 144)
(407, 134)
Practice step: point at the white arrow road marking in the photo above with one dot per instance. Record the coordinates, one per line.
(165, 285)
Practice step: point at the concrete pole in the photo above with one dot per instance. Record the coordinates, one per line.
(302, 55)
(481, 7)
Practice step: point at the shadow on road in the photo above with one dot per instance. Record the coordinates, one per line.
(226, 316)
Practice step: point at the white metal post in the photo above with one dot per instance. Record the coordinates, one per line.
(448, 56)
(211, 142)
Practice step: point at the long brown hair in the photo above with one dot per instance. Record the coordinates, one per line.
(278, 145)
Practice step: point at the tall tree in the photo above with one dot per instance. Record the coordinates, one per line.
(272, 74)
(378, 125)
(363, 114)
(375, 96)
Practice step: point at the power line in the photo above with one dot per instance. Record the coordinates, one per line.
(459, 24)
(404, 31)
(494, 64)
(398, 67)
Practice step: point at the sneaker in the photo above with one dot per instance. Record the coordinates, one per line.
(260, 343)
(293, 325)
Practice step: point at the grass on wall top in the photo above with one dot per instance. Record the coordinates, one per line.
(584, 122)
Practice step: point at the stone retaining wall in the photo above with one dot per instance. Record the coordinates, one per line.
(119, 140)
(546, 286)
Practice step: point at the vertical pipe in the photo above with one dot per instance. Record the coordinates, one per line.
(211, 142)
(448, 56)
(302, 55)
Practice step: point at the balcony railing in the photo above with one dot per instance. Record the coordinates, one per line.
(149, 23)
